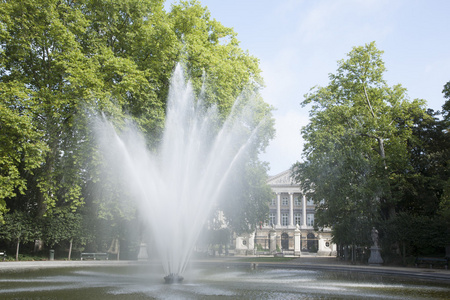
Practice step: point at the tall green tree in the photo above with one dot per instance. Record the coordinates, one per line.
(42, 54)
(424, 189)
(19, 228)
(356, 153)
(64, 227)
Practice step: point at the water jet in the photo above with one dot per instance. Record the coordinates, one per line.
(176, 187)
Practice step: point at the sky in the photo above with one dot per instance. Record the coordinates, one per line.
(298, 44)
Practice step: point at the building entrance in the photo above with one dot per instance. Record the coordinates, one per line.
(284, 241)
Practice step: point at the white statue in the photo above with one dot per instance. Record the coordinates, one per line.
(374, 236)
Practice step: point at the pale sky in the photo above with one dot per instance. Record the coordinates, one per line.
(299, 43)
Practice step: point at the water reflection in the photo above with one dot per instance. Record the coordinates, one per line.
(136, 282)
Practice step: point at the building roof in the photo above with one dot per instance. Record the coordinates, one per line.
(283, 182)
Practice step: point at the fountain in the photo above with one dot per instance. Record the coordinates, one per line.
(177, 187)
(173, 278)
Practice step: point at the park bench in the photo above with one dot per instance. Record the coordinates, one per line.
(3, 255)
(94, 256)
(432, 261)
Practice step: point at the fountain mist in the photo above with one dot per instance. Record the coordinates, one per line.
(177, 187)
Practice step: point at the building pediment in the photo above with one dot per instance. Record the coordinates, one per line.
(284, 178)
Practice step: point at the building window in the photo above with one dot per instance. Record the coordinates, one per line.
(297, 219)
(274, 201)
(285, 201)
(310, 201)
(298, 200)
(284, 219)
(310, 219)
(271, 219)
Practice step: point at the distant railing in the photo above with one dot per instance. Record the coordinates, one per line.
(94, 256)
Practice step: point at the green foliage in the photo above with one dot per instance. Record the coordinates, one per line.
(19, 228)
(418, 234)
(353, 230)
(21, 148)
(63, 227)
(212, 49)
(259, 247)
(423, 187)
(446, 106)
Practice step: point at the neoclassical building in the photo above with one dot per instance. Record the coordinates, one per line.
(290, 227)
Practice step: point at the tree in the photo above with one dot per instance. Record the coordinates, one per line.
(63, 227)
(422, 224)
(19, 228)
(356, 153)
(427, 178)
(41, 53)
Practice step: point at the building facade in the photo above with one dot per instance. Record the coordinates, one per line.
(290, 227)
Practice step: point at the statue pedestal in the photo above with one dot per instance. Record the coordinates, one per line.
(375, 256)
(273, 242)
(297, 242)
(143, 254)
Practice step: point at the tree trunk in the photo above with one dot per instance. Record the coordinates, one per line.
(17, 249)
(48, 170)
(404, 253)
(389, 204)
(70, 249)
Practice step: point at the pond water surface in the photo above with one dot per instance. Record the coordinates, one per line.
(138, 282)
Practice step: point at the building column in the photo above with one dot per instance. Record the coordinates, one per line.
(278, 210)
(304, 211)
(291, 209)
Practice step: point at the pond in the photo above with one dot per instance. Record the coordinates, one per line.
(142, 282)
